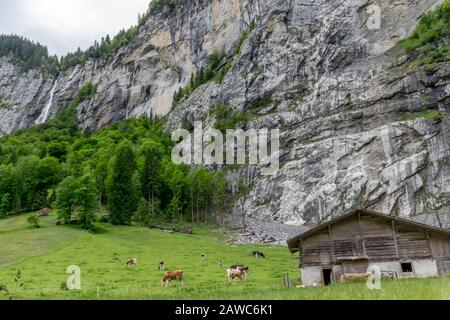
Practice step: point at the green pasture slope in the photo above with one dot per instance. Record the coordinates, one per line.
(43, 255)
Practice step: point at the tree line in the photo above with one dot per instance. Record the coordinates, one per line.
(27, 54)
(126, 170)
(33, 55)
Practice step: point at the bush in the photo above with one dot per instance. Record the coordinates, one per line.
(262, 102)
(63, 286)
(432, 27)
(103, 219)
(33, 220)
(244, 36)
(227, 118)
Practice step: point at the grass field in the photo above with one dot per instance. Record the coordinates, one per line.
(43, 255)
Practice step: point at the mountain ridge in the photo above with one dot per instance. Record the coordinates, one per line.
(362, 126)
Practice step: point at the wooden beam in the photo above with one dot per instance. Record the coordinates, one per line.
(330, 237)
(394, 235)
(300, 250)
(427, 233)
(363, 238)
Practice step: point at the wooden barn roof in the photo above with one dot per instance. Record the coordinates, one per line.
(294, 243)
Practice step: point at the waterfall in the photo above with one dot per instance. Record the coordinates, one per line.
(45, 113)
(70, 79)
(74, 71)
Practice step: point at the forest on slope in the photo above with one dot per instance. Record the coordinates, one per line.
(126, 167)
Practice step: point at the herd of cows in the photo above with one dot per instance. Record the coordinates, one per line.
(235, 272)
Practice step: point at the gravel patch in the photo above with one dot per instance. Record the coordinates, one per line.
(262, 232)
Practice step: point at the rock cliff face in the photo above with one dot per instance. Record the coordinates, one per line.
(143, 76)
(335, 86)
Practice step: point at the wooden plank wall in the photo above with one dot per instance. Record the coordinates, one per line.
(316, 250)
(379, 238)
(376, 238)
(440, 246)
(412, 243)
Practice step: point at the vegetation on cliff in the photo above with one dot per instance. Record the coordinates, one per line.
(32, 55)
(216, 69)
(27, 54)
(430, 41)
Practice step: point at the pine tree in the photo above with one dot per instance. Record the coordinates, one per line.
(121, 186)
(86, 201)
(150, 177)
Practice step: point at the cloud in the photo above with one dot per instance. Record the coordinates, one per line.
(65, 25)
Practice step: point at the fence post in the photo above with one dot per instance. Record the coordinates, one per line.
(287, 282)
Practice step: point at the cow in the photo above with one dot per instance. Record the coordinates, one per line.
(161, 266)
(237, 271)
(258, 254)
(177, 275)
(237, 266)
(234, 274)
(354, 276)
(131, 262)
(245, 270)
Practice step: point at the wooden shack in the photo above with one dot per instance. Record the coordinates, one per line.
(361, 239)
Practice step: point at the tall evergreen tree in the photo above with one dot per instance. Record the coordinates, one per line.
(150, 176)
(121, 186)
(86, 197)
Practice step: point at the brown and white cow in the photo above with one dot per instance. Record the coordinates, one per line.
(241, 267)
(234, 274)
(237, 272)
(177, 275)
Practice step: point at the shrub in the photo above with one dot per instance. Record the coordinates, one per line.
(33, 220)
(435, 115)
(223, 72)
(103, 219)
(244, 36)
(63, 286)
(227, 118)
(432, 27)
(262, 102)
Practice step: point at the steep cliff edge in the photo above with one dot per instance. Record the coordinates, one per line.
(144, 75)
(352, 110)
(354, 113)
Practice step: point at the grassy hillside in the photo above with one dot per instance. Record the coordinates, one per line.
(42, 256)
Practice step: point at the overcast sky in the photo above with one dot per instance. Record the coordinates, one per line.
(65, 25)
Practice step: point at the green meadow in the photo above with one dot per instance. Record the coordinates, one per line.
(43, 255)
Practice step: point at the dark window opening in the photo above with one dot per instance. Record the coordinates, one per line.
(327, 276)
(407, 267)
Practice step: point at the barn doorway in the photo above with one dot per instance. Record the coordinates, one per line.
(327, 273)
(407, 267)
